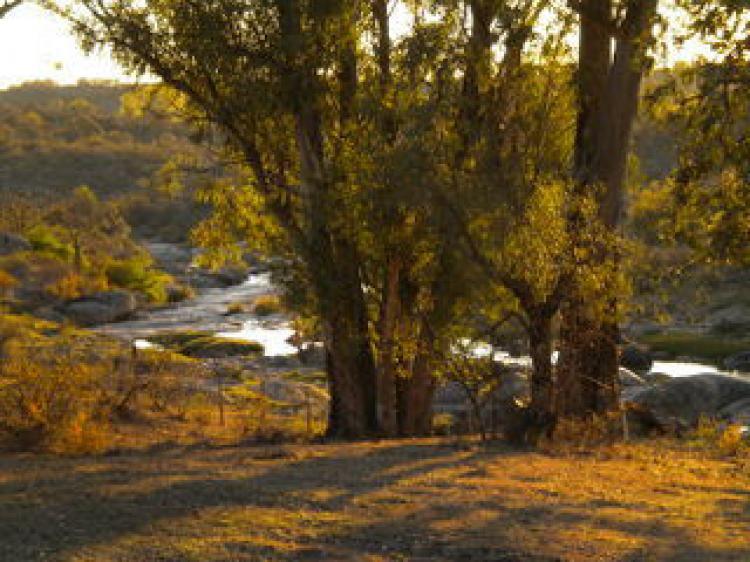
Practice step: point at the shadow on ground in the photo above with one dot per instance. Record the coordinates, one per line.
(397, 501)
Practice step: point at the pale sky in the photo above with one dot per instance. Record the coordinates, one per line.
(36, 45)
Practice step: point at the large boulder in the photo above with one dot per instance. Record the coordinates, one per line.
(681, 402)
(737, 412)
(100, 308)
(629, 378)
(636, 359)
(738, 362)
(12, 243)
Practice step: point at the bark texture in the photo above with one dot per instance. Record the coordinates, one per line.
(609, 86)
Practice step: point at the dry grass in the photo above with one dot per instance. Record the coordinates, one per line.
(404, 500)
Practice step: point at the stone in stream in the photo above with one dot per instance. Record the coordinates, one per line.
(680, 402)
(636, 359)
(100, 308)
(738, 362)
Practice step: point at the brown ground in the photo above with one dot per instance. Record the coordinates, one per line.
(403, 500)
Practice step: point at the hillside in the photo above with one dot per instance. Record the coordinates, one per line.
(54, 138)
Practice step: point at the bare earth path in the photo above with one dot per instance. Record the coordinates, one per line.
(404, 500)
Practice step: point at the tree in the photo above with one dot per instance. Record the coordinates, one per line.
(609, 82)
(365, 255)
(7, 5)
(710, 188)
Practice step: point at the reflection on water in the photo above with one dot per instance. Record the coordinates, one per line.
(208, 313)
(274, 337)
(677, 369)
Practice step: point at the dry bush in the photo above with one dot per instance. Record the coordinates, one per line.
(51, 401)
(169, 381)
(575, 434)
(726, 440)
(7, 283)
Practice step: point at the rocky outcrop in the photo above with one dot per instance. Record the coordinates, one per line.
(738, 362)
(12, 243)
(100, 308)
(679, 403)
(636, 359)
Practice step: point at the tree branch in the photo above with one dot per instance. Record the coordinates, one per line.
(8, 5)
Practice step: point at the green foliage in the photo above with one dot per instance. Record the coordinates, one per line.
(713, 348)
(212, 347)
(204, 344)
(45, 240)
(138, 274)
(177, 339)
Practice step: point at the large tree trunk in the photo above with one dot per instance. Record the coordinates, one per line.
(389, 318)
(417, 392)
(608, 101)
(350, 366)
(542, 382)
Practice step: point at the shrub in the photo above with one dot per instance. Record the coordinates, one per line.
(137, 274)
(7, 282)
(205, 345)
(175, 340)
(214, 347)
(267, 305)
(169, 380)
(44, 240)
(725, 439)
(49, 401)
(73, 285)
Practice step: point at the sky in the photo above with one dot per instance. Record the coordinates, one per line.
(37, 45)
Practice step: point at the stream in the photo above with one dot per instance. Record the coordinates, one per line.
(207, 312)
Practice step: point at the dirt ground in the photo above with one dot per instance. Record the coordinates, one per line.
(401, 500)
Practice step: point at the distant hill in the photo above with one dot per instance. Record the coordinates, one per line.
(54, 138)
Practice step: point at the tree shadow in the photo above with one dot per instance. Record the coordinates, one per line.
(60, 509)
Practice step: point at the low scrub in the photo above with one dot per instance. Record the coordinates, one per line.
(205, 345)
(213, 347)
(45, 240)
(137, 274)
(726, 440)
(51, 402)
(709, 347)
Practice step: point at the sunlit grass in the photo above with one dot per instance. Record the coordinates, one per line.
(421, 499)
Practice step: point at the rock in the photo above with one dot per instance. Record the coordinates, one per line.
(49, 313)
(636, 359)
(313, 355)
(230, 276)
(100, 308)
(12, 243)
(738, 362)
(450, 393)
(680, 402)
(737, 412)
(656, 378)
(730, 320)
(629, 378)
